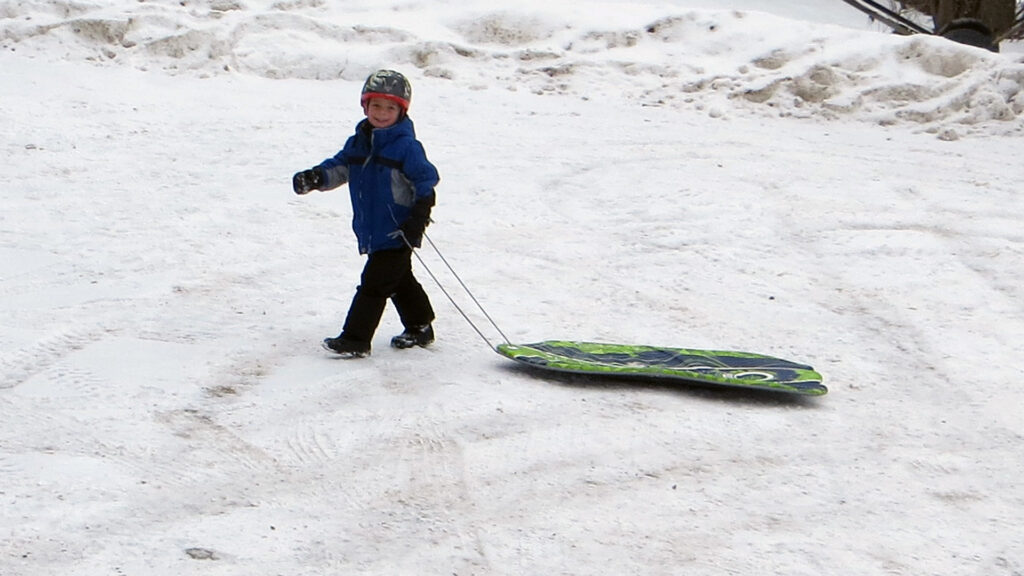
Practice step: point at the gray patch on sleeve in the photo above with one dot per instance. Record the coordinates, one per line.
(402, 189)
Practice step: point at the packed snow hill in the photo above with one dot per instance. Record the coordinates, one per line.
(668, 54)
(781, 178)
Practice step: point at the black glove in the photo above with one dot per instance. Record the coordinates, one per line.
(416, 224)
(307, 180)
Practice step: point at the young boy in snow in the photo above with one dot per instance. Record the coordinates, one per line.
(391, 183)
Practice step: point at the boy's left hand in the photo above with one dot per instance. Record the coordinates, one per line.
(411, 231)
(416, 224)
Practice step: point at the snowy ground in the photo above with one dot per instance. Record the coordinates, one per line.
(681, 174)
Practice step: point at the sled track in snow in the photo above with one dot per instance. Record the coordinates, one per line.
(217, 445)
(22, 364)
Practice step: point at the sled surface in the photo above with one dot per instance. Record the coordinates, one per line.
(709, 367)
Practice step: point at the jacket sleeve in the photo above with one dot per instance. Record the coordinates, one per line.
(334, 171)
(420, 171)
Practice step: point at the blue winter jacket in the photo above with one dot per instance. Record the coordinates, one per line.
(387, 172)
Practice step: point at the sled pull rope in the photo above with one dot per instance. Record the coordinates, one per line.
(464, 287)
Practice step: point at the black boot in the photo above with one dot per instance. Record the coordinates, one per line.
(347, 347)
(414, 336)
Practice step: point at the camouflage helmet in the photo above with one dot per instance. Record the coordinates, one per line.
(387, 84)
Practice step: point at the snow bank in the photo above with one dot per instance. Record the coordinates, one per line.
(715, 61)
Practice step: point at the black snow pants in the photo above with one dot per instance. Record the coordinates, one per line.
(387, 274)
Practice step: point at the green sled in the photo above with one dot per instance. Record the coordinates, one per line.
(711, 367)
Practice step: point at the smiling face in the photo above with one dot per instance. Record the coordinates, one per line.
(382, 112)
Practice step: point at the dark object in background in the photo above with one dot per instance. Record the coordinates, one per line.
(970, 31)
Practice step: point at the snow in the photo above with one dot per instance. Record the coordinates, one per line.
(776, 177)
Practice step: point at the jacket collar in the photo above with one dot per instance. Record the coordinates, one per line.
(403, 127)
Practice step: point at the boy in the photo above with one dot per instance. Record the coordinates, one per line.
(391, 183)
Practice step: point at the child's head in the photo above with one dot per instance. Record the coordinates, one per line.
(386, 96)
(382, 112)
